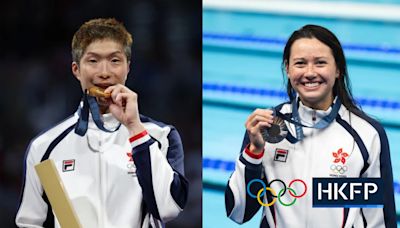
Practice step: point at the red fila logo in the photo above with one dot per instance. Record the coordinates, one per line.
(68, 165)
(281, 155)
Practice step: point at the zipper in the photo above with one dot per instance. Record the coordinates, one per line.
(101, 183)
(314, 116)
(309, 174)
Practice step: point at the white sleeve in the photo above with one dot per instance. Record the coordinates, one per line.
(32, 211)
(240, 207)
(161, 177)
(380, 166)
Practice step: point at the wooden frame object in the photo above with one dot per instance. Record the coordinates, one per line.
(58, 197)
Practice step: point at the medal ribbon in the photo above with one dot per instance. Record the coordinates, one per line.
(323, 123)
(90, 103)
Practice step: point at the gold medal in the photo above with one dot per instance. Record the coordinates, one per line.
(98, 92)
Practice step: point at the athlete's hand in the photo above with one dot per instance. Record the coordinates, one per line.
(124, 108)
(259, 119)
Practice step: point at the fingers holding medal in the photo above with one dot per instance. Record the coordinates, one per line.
(259, 119)
(263, 126)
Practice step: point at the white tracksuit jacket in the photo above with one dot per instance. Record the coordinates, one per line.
(111, 181)
(364, 141)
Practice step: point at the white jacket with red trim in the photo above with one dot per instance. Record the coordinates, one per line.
(364, 152)
(110, 181)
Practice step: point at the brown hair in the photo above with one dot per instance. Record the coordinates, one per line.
(100, 29)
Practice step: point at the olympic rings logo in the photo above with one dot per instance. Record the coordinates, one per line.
(338, 169)
(275, 196)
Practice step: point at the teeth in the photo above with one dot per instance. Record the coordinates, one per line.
(311, 84)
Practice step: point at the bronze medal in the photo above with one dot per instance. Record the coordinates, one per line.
(276, 133)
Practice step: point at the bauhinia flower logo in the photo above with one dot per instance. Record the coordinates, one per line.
(340, 156)
(130, 156)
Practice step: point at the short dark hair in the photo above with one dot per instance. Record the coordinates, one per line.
(100, 29)
(342, 87)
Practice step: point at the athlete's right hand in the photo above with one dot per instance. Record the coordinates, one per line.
(259, 119)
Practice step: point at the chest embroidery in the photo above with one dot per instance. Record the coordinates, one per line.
(338, 168)
(68, 165)
(281, 155)
(131, 169)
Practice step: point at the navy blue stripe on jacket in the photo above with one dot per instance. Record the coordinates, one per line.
(179, 186)
(386, 172)
(251, 172)
(49, 222)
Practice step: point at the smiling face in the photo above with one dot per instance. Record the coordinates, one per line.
(312, 72)
(103, 64)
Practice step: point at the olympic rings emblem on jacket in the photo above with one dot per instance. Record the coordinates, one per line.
(338, 168)
(275, 196)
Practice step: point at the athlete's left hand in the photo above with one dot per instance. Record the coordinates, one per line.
(124, 108)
